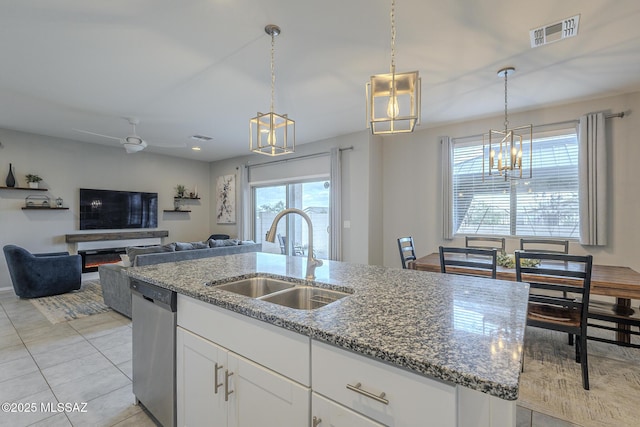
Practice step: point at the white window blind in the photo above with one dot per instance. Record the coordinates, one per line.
(290, 169)
(544, 206)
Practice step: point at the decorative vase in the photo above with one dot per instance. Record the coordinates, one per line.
(33, 185)
(11, 180)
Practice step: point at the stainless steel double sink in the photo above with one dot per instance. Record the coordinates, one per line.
(289, 294)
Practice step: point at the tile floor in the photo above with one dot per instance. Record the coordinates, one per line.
(88, 361)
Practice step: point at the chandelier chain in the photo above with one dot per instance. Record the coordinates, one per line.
(273, 72)
(506, 120)
(393, 36)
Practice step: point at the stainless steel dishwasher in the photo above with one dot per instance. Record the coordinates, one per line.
(154, 350)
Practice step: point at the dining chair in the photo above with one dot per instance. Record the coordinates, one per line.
(548, 307)
(479, 242)
(545, 245)
(297, 249)
(283, 244)
(468, 261)
(407, 250)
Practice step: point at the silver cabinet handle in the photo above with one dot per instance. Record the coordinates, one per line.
(215, 378)
(316, 421)
(227, 393)
(358, 389)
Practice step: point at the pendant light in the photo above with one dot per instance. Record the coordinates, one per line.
(393, 99)
(270, 133)
(506, 148)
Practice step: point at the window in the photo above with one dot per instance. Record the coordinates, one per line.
(311, 197)
(544, 206)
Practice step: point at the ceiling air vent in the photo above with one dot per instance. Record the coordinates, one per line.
(201, 138)
(554, 32)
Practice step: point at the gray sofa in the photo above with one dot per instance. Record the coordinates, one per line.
(115, 282)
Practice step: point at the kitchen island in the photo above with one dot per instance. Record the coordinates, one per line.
(452, 343)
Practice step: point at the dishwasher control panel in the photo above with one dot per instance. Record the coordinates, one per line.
(155, 294)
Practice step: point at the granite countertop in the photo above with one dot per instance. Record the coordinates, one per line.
(459, 329)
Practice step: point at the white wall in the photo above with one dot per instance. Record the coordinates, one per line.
(67, 166)
(356, 200)
(412, 180)
(391, 186)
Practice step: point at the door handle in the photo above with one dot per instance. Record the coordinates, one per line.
(316, 421)
(227, 393)
(215, 378)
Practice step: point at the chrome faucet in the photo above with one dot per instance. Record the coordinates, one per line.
(312, 263)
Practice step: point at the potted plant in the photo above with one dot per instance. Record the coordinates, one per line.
(33, 180)
(180, 190)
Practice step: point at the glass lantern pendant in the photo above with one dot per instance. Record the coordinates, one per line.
(270, 133)
(393, 99)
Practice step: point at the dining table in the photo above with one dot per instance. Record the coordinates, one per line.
(619, 282)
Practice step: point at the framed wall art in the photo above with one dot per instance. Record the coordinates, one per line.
(226, 199)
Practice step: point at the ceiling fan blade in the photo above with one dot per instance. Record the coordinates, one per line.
(97, 134)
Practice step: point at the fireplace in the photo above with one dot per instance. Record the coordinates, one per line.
(91, 259)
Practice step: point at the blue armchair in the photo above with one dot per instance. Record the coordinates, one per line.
(40, 275)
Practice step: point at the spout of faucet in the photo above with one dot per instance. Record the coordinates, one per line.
(312, 263)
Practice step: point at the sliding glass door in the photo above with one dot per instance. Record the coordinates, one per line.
(312, 197)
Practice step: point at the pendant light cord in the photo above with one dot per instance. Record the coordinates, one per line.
(506, 121)
(273, 73)
(393, 37)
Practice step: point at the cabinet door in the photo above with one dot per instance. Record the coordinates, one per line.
(261, 397)
(198, 401)
(327, 413)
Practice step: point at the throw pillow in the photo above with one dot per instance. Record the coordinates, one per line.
(125, 260)
(182, 246)
(247, 242)
(215, 243)
(200, 245)
(231, 242)
(134, 251)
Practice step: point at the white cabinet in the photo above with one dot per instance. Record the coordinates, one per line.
(261, 397)
(198, 363)
(278, 349)
(236, 371)
(384, 393)
(248, 372)
(326, 413)
(216, 387)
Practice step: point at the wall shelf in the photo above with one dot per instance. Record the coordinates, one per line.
(186, 198)
(43, 208)
(176, 211)
(24, 188)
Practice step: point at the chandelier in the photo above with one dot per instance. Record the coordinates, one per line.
(509, 144)
(270, 133)
(393, 99)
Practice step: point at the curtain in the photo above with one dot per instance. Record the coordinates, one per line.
(592, 171)
(335, 251)
(244, 225)
(447, 188)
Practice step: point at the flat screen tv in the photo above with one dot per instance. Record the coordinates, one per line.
(111, 209)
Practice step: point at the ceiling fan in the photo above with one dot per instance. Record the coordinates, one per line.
(132, 143)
